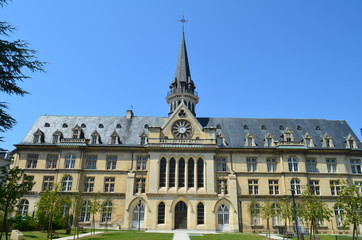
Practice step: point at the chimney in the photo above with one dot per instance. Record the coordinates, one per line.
(129, 114)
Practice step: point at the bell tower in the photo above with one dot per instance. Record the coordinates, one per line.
(182, 88)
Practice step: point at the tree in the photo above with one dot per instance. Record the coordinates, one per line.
(350, 200)
(266, 212)
(50, 205)
(14, 183)
(313, 211)
(15, 57)
(95, 207)
(286, 212)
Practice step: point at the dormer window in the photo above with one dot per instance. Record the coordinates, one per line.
(281, 127)
(269, 141)
(56, 137)
(118, 125)
(143, 139)
(46, 125)
(38, 137)
(308, 141)
(96, 139)
(246, 127)
(65, 125)
(100, 126)
(263, 127)
(83, 125)
(299, 128)
(76, 132)
(250, 141)
(220, 140)
(114, 138)
(327, 141)
(288, 136)
(351, 142)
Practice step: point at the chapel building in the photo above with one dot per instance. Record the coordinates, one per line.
(181, 171)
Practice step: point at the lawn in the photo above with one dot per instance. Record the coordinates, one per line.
(228, 236)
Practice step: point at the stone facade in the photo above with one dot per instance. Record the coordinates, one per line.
(182, 171)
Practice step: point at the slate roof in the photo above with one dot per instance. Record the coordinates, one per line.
(182, 73)
(231, 128)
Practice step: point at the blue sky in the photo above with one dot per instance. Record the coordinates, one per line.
(256, 58)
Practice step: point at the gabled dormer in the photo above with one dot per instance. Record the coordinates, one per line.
(143, 138)
(77, 132)
(57, 136)
(249, 141)
(327, 141)
(269, 141)
(220, 140)
(38, 136)
(308, 140)
(351, 142)
(95, 138)
(288, 136)
(114, 139)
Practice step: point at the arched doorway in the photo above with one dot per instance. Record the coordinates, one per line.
(223, 218)
(181, 215)
(138, 216)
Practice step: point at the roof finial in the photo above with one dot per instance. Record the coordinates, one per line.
(183, 20)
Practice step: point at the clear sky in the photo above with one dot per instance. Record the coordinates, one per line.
(254, 59)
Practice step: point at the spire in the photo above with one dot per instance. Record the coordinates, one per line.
(182, 68)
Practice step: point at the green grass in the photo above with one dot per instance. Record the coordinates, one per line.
(116, 235)
(228, 236)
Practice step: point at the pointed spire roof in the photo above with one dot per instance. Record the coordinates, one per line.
(182, 68)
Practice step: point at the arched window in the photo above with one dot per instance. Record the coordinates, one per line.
(107, 212)
(172, 173)
(276, 214)
(163, 173)
(190, 174)
(295, 186)
(181, 173)
(67, 183)
(161, 213)
(23, 207)
(200, 173)
(200, 214)
(255, 214)
(293, 164)
(70, 161)
(338, 212)
(85, 212)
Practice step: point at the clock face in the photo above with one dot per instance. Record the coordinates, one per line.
(182, 129)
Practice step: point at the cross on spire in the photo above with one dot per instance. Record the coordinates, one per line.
(183, 21)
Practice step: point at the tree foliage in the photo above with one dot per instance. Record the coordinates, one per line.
(350, 200)
(313, 211)
(14, 183)
(15, 58)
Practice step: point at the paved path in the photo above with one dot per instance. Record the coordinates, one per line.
(182, 234)
(80, 236)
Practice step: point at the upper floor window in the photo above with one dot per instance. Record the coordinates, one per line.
(271, 164)
(111, 162)
(23, 207)
(77, 132)
(273, 187)
(269, 141)
(88, 184)
(141, 163)
(181, 173)
(172, 172)
(32, 160)
(52, 160)
(295, 186)
(314, 187)
(250, 141)
(251, 164)
(91, 162)
(253, 186)
(162, 182)
(109, 184)
(327, 141)
(67, 183)
(311, 165)
(143, 139)
(48, 182)
(293, 164)
(221, 165)
(356, 166)
(335, 187)
(200, 173)
(288, 135)
(70, 161)
(331, 165)
(220, 140)
(308, 140)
